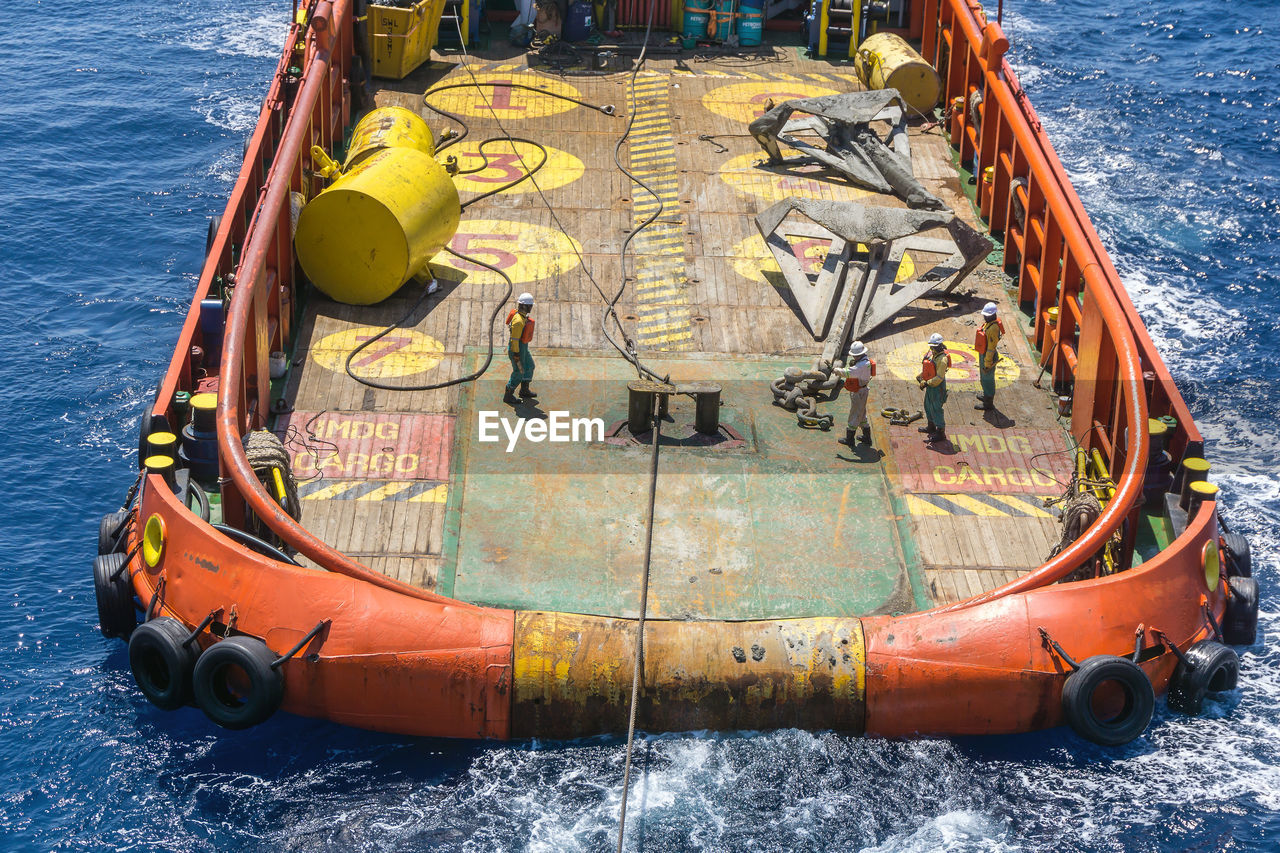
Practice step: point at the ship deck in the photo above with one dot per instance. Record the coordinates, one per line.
(771, 520)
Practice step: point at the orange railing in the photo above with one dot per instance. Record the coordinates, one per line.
(1098, 345)
(265, 278)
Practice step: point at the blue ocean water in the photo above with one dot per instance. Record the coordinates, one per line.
(122, 131)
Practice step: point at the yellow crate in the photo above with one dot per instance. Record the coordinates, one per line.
(401, 39)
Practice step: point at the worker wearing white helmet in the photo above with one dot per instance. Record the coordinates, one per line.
(857, 374)
(521, 326)
(933, 379)
(985, 341)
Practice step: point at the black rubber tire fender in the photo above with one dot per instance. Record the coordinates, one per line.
(1214, 668)
(235, 684)
(1081, 689)
(111, 533)
(116, 614)
(1239, 561)
(1240, 622)
(148, 424)
(215, 222)
(162, 662)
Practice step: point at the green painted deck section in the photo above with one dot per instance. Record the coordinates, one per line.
(791, 524)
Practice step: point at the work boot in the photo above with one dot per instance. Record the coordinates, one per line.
(986, 404)
(526, 392)
(865, 436)
(928, 429)
(848, 438)
(939, 437)
(510, 397)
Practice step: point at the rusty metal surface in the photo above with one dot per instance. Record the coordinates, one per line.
(573, 675)
(852, 148)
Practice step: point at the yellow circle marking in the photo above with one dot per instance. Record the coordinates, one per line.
(509, 161)
(746, 175)
(524, 251)
(507, 103)
(752, 258)
(745, 102)
(401, 352)
(904, 363)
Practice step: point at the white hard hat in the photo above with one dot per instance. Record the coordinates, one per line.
(935, 340)
(989, 310)
(525, 298)
(857, 349)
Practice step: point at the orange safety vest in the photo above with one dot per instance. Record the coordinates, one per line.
(852, 383)
(980, 337)
(927, 368)
(526, 334)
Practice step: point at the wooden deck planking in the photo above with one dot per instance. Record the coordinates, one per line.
(730, 311)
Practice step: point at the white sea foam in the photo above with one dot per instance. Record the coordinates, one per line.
(234, 111)
(242, 32)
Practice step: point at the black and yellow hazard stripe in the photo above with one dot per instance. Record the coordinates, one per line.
(986, 505)
(412, 491)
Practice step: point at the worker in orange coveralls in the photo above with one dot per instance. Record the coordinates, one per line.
(521, 326)
(933, 379)
(857, 379)
(985, 341)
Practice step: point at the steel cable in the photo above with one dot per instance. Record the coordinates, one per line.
(644, 606)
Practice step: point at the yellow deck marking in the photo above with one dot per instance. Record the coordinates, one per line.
(916, 506)
(745, 102)
(745, 174)
(647, 329)
(505, 165)
(904, 363)
(522, 250)
(402, 352)
(438, 495)
(1026, 506)
(409, 491)
(386, 490)
(331, 491)
(508, 104)
(681, 337)
(977, 504)
(752, 259)
(975, 507)
(659, 248)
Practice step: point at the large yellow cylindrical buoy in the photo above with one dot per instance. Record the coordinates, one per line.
(886, 61)
(388, 127)
(377, 225)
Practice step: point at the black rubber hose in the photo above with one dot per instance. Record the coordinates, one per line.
(470, 377)
(629, 352)
(201, 498)
(610, 309)
(253, 543)
(526, 176)
(607, 109)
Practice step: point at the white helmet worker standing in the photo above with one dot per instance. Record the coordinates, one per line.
(985, 341)
(857, 375)
(521, 326)
(933, 379)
